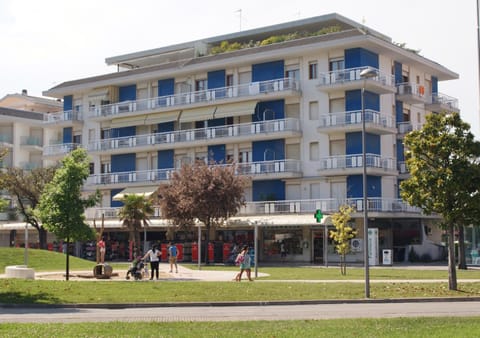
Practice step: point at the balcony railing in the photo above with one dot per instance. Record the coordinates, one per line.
(201, 134)
(353, 74)
(406, 127)
(443, 100)
(60, 149)
(204, 96)
(355, 117)
(31, 141)
(145, 176)
(413, 89)
(291, 207)
(355, 161)
(63, 116)
(6, 138)
(30, 165)
(402, 167)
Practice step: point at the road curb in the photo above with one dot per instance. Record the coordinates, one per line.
(244, 303)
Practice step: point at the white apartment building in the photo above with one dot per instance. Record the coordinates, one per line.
(22, 135)
(284, 102)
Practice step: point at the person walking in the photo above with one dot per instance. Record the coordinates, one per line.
(172, 256)
(243, 259)
(154, 256)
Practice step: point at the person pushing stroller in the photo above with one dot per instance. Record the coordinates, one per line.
(136, 269)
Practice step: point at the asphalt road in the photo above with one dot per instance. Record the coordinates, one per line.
(235, 313)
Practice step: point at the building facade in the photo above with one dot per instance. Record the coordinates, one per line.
(285, 104)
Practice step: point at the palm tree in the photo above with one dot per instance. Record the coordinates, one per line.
(134, 214)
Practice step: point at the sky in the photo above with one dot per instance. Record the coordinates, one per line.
(45, 43)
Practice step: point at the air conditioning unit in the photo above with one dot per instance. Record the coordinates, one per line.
(356, 244)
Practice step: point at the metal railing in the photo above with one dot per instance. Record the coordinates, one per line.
(64, 116)
(353, 74)
(200, 134)
(60, 149)
(343, 119)
(414, 89)
(209, 95)
(144, 176)
(355, 161)
(292, 207)
(444, 100)
(31, 141)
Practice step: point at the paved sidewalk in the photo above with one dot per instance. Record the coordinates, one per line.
(184, 273)
(187, 274)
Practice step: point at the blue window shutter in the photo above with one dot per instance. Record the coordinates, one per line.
(123, 162)
(67, 135)
(165, 159)
(127, 93)
(359, 57)
(216, 79)
(166, 87)
(268, 71)
(268, 190)
(67, 103)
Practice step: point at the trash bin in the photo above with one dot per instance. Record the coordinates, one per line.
(102, 271)
(387, 257)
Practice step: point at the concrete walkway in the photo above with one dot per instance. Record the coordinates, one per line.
(186, 274)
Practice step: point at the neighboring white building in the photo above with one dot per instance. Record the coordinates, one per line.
(22, 135)
(289, 113)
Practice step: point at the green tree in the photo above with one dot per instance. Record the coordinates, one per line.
(134, 215)
(210, 194)
(61, 208)
(342, 234)
(26, 187)
(442, 159)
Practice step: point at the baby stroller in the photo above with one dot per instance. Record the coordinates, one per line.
(136, 269)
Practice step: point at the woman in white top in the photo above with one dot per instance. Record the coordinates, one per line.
(154, 255)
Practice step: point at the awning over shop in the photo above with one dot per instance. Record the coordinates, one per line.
(279, 220)
(235, 109)
(139, 191)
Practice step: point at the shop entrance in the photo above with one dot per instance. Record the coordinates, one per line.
(318, 247)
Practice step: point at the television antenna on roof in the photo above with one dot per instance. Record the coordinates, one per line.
(239, 11)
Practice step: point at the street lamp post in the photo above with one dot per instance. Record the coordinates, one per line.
(365, 74)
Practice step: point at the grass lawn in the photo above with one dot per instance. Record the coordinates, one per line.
(396, 327)
(19, 291)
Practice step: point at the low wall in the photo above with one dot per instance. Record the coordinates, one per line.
(19, 271)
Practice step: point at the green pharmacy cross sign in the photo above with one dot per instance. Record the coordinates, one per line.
(318, 215)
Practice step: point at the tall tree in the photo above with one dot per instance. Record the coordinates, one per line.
(342, 234)
(442, 159)
(26, 187)
(134, 214)
(210, 194)
(62, 208)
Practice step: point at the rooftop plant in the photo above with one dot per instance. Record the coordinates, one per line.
(226, 46)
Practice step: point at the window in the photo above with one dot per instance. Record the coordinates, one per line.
(106, 168)
(105, 134)
(406, 115)
(314, 151)
(244, 156)
(91, 168)
(229, 80)
(312, 70)
(336, 64)
(77, 139)
(337, 105)
(293, 74)
(200, 85)
(313, 110)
